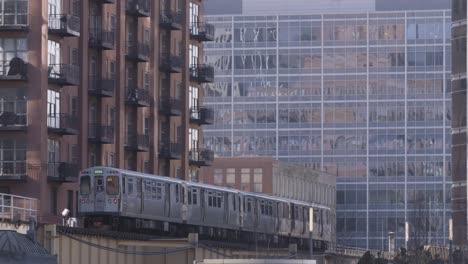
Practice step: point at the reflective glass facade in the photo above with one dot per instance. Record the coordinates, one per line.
(363, 96)
(459, 139)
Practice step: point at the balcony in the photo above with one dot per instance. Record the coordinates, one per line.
(138, 8)
(170, 150)
(201, 157)
(13, 170)
(170, 63)
(62, 172)
(64, 74)
(100, 134)
(170, 106)
(105, 1)
(138, 52)
(202, 115)
(138, 97)
(63, 124)
(137, 142)
(11, 121)
(201, 73)
(64, 25)
(101, 39)
(171, 20)
(202, 31)
(13, 70)
(101, 87)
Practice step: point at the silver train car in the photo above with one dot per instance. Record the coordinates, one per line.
(128, 200)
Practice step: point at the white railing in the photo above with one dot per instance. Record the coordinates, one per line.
(14, 208)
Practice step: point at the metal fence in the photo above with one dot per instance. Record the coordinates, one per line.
(16, 208)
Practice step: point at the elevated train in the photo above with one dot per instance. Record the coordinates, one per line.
(127, 200)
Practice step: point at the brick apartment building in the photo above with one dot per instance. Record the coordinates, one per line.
(99, 82)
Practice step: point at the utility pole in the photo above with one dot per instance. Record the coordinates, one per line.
(311, 229)
(450, 241)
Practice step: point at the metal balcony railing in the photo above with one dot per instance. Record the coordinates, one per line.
(100, 134)
(138, 97)
(64, 25)
(138, 8)
(170, 150)
(171, 19)
(137, 142)
(62, 172)
(13, 170)
(202, 115)
(170, 63)
(11, 121)
(201, 157)
(136, 51)
(170, 106)
(101, 87)
(202, 31)
(202, 73)
(13, 70)
(63, 124)
(15, 208)
(64, 74)
(101, 39)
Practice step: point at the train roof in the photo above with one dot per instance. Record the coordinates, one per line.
(209, 186)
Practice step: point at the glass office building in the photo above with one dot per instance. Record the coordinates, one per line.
(363, 96)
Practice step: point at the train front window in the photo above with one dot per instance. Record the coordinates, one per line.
(112, 185)
(85, 185)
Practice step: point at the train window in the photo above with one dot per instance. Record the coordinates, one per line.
(210, 199)
(195, 196)
(159, 191)
(153, 192)
(262, 207)
(249, 205)
(130, 185)
(85, 185)
(112, 185)
(99, 184)
(148, 186)
(189, 196)
(177, 193)
(219, 200)
(234, 203)
(123, 185)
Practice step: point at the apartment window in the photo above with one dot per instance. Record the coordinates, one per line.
(54, 7)
(74, 154)
(13, 156)
(92, 159)
(53, 201)
(218, 176)
(258, 180)
(193, 95)
(11, 48)
(53, 148)
(193, 138)
(111, 161)
(146, 35)
(245, 179)
(74, 106)
(147, 126)
(13, 100)
(14, 12)
(112, 118)
(53, 57)
(147, 81)
(146, 166)
(230, 176)
(75, 57)
(194, 13)
(53, 109)
(193, 55)
(112, 70)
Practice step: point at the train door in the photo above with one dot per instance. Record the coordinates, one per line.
(167, 199)
(100, 196)
(139, 197)
(226, 207)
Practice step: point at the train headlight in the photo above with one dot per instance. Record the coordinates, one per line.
(83, 201)
(115, 201)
